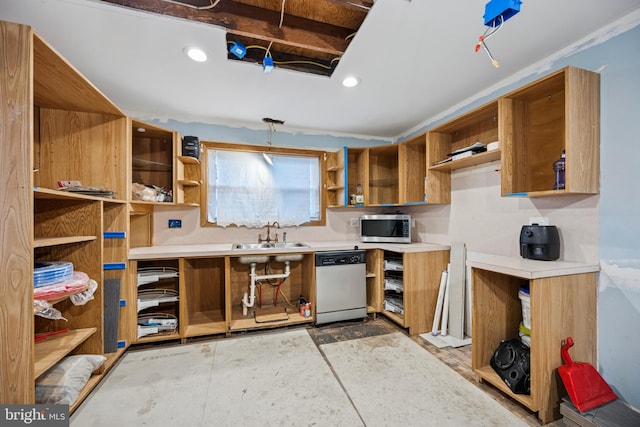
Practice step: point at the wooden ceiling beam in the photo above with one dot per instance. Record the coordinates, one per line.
(255, 22)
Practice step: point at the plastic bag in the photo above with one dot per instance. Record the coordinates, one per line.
(46, 310)
(81, 298)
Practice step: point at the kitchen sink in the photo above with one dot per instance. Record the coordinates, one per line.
(269, 245)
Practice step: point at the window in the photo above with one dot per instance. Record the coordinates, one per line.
(244, 189)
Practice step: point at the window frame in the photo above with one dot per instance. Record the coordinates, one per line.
(300, 152)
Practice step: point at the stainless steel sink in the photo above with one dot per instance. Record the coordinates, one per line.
(269, 245)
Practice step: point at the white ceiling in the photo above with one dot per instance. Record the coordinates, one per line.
(415, 60)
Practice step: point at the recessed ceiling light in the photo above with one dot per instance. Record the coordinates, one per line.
(350, 81)
(141, 130)
(196, 54)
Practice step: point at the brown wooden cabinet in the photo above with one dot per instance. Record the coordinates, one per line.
(61, 128)
(153, 150)
(412, 166)
(274, 305)
(562, 303)
(538, 121)
(202, 296)
(411, 290)
(384, 176)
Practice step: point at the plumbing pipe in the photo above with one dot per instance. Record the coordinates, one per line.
(248, 299)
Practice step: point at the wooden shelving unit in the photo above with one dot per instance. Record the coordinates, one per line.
(69, 132)
(335, 179)
(54, 348)
(421, 280)
(189, 180)
(497, 314)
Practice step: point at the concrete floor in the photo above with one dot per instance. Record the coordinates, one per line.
(349, 374)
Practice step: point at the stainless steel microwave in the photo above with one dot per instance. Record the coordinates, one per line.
(385, 228)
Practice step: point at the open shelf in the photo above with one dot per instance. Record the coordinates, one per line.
(476, 159)
(489, 375)
(41, 242)
(54, 348)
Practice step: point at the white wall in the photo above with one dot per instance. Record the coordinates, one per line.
(489, 223)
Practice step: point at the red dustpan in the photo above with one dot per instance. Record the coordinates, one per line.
(586, 388)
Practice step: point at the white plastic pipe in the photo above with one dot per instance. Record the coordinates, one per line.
(249, 299)
(445, 305)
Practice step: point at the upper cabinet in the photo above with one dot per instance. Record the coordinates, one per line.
(532, 127)
(413, 170)
(384, 180)
(558, 112)
(152, 163)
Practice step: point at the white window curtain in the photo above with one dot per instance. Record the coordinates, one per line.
(243, 189)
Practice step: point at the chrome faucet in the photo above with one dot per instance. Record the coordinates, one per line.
(268, 239)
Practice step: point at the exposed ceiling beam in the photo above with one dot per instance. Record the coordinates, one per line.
(255, 22)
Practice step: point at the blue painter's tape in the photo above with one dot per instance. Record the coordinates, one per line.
(122, 344)
(114, 266)
(114, 234)
(523, 194)
(123, 303)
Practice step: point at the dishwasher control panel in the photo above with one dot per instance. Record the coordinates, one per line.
(325, 259)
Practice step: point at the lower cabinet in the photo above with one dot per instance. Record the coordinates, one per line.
(560, 306)
(411, 281)
(263, 291)
(202, 292)
(179, 298)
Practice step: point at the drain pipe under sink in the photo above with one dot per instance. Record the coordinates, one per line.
(249, 299)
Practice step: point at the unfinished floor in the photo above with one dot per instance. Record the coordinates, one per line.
(356, 373)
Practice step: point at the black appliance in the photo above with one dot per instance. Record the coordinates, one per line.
(511, 361)
(191, 146)
(540, 242)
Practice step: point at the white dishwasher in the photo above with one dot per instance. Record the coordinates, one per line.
(341, 286)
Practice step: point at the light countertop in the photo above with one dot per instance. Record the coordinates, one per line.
(224, 249)
(528, 268)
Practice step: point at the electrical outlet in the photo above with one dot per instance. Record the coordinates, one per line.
(354, 222)
(175, 223)
(540, 220)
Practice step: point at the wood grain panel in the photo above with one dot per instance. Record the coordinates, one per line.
(16, 207)
(413, 169)
(583, 131)
(438, 182)
(560, 307)
(422, 272)
(383, 175)
(86, 147)
(59, 85)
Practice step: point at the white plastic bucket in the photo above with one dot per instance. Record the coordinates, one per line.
(523, 294)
